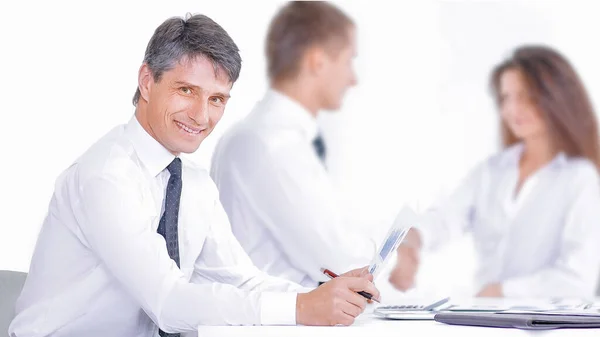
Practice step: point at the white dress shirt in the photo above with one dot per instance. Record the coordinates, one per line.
(101, 269)
(543, 241)
(281, 202)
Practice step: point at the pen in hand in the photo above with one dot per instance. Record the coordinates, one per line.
(362, 293)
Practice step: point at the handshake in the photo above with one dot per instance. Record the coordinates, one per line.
(403, 275)
(337, 301)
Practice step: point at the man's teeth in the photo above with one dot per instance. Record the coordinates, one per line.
(188, 129)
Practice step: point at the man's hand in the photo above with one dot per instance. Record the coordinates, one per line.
(407, 266)
(336, 301)
(360, 272)
(491, 290)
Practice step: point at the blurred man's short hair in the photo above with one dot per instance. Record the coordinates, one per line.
(298, 26)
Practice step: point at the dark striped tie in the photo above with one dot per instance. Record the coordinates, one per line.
(168, 222)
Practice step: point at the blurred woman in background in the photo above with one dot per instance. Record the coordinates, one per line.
(533, 208)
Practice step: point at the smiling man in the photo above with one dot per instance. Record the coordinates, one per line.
(136, 242)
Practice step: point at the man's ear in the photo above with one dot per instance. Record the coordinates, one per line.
(314, 59)
(145, 81)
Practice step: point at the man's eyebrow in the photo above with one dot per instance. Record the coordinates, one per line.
(187, 84)
(198, 88)
(223, 94)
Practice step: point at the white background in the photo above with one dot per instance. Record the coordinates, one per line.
(420, 117)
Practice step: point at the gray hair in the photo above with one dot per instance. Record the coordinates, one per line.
(194, 36)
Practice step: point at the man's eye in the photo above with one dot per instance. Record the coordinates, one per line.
(217, 99)
(186, 90)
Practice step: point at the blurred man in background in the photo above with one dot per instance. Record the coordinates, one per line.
(270, 168)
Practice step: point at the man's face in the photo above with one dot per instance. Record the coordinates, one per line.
(337, 74)
(185, 105)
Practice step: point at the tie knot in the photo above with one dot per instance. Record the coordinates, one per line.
(175, 167)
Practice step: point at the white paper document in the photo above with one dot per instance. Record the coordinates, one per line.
(405, 219)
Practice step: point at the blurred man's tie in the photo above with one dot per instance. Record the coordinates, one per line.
(320, 148)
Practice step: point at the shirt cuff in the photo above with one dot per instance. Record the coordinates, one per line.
(278, 308)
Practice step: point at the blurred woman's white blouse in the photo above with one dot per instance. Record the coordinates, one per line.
(541, 241)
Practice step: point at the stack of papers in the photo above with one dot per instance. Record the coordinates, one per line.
(574, 312)
(521, 305)
(518, 307)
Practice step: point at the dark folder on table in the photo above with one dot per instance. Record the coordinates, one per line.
(532, 321)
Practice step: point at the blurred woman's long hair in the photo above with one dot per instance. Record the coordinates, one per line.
(560, 96)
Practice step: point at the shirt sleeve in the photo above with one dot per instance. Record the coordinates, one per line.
(116, 227)
(294, 198)
(577, 267)
(234, 289)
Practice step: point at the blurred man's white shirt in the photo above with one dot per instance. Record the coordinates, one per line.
(280, 200)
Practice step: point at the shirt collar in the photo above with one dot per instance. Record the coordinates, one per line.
(290, 113)
(560, 159)
(515, 152)
(151, 153)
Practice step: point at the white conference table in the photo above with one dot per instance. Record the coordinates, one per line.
(369, 325)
